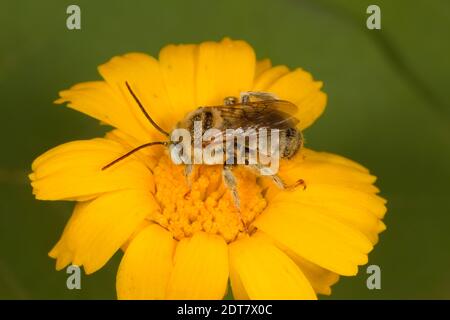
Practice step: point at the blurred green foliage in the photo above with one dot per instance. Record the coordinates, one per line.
(388, 109)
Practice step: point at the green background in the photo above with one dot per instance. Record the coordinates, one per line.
(388, 109)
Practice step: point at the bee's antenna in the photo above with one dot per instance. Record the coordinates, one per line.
(145, 112)
(129, 153)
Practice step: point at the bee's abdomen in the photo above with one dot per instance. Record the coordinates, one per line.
(291, 141)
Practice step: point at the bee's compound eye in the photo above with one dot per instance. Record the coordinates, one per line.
(291, 132)
(175, 153)
(228, 101)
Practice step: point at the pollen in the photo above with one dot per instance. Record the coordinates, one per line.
(204, 203)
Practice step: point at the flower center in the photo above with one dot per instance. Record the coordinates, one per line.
(206, 205)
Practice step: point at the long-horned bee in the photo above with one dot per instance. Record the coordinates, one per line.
(252, 130)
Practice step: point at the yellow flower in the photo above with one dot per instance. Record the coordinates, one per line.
(187, 245)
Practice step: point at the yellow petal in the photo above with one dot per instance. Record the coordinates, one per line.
(178, 67)
(268, 77)
(309, 232)
(144, 75)
(342, 204)
(184, 78)
(313, 169)
(149, 156)
(299, 88)
(73, 171)
(143, 225)
(238, 288)
(200, 268)
(105, 103)
(224, 69)
(259, 270)
(321, 279)
(339, 187)
(99, 227)
(261, 66)
(332, 158)
(146, 266)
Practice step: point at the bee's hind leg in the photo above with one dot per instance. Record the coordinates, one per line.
(188, 172)
(230, 181)
(188, 168)
(278, 181)
(283, 185)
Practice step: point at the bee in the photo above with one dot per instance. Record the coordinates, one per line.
(251, 112)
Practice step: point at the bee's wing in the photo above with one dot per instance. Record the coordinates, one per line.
(267, 114)
(280, 105)
(271, 114)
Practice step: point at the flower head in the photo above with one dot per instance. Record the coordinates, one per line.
(184, 241)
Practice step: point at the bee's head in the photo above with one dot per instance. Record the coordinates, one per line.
(198, 121)
(176, 151)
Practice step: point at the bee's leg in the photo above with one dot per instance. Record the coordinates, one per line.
(230, 181)
(245, 96)
(229, 101)
(278, 181)
(188, 176)
(282, 185)
(188, 173)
